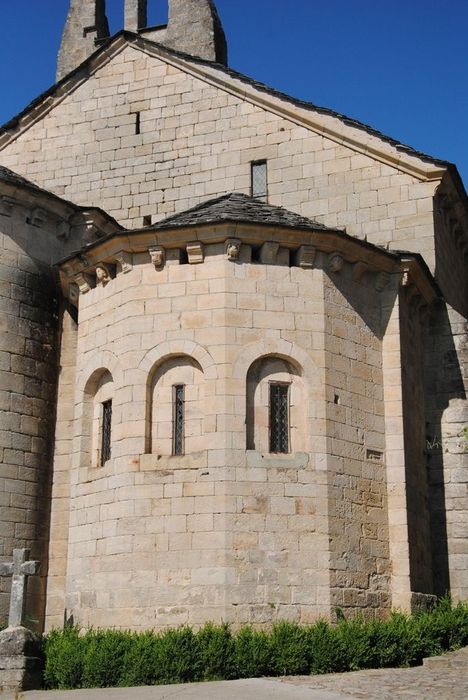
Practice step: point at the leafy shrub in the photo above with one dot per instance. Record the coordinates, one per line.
(104, 658)
(327, 654)
(139, 665)
(216, 652)
(290, 649)
(103, 655)
(252, 653)
(353, 645)
(63, 650)
(176, 659)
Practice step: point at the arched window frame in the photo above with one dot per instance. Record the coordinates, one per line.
(166, 376)
(263, 374)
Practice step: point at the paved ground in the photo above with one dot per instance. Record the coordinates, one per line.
(442, 678)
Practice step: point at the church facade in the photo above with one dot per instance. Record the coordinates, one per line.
(234, 351)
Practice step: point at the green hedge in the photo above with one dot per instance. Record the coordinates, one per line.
(106, 658)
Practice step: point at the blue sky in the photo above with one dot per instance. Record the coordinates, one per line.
(400, 66)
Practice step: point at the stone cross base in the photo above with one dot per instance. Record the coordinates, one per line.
(20, 663)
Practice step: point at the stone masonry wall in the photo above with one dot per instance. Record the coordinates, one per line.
(28, 366)
(223, 532)
(354, 327)
(418, 504)
(197, 142)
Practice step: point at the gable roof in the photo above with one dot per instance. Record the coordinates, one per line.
(238, 208)
(11, 178)
(400, 155)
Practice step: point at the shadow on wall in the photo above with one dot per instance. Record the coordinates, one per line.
(443, 384)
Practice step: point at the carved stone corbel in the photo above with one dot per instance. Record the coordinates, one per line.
(233, 248)
(158, 256)
(269, 252)
(125, 261)
(63, 230)
(305, 256)
(335, 262)
(6, 205)
(103, 275)
(38, 217)
(73, 293)
(195, 253)
(84, 282)
(382, 280)
(359, 270)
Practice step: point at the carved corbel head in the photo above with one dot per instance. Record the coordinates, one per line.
(335, 262)
(233, 248)
(103, 275)
(158, 256)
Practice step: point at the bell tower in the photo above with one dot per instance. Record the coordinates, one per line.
(193, 27)
(136, 14)
(86, 22)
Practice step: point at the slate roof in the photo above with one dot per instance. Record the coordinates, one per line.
(8, 175)
(238, 208)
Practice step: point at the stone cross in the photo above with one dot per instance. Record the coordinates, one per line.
(20, 568)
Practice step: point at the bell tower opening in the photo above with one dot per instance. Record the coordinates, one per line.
(158, 12)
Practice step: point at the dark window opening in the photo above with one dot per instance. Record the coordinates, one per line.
(106, 431)
(147, 220)
(279, 418)
(178, 418)
(137, 123)
(259, 180)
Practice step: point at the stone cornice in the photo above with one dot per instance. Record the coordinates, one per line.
(302, 246)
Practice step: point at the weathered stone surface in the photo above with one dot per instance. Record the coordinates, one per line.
(86, 22)
(368, 507)
(18, 642)
(20, 665)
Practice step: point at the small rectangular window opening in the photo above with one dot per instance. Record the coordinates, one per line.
(106, 431)
(147, 220)
(137, 123)
(178, 419)
(259, 181)
(279, 418)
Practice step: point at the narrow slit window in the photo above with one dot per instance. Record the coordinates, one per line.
(106, 436)
(279, 418)
(259, 181)
(137, 123)
(178, 397)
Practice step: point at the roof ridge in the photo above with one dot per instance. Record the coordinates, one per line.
(239, 208)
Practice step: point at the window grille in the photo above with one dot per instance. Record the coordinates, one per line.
(178, 397)
(259, 183)
(279, 418)
(106, 431)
